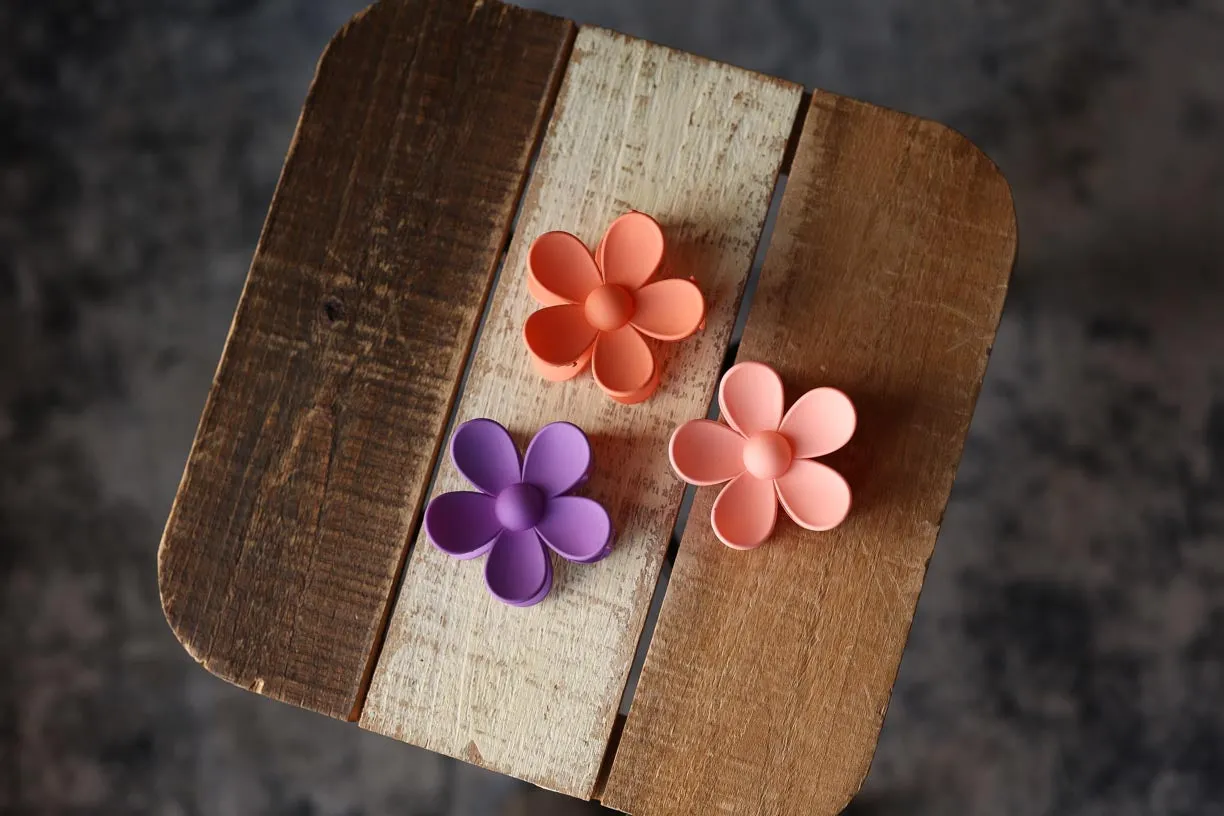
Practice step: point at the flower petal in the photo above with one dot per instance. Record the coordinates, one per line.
(744, 512)
(558, 458)
(485, 454)
(558, 335)
(814, 495)
(750, 396)
(640, 395)
(518, 570)
(576, 528)
(820, 422)
(631, 250)
(560, 269)
(561, 373)
(704, 452)
(623, 362)
(462, 525)
(669, 309)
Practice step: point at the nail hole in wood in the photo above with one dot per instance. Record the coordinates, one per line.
(333, 310)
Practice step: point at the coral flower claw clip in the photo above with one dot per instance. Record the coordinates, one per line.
(598, 307)
(519, 508)
(766, 457)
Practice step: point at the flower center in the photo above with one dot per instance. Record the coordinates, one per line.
(519, 507)
(767, 455)
(609, 307)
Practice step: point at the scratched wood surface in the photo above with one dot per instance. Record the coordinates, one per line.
(290, 526)
(770, 670)
(534, 692)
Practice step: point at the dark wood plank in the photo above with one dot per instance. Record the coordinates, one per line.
(309, 466)
(770, 670)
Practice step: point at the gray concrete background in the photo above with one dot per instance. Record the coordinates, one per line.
(1068, 653)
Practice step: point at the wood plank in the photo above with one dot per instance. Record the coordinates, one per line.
(770, 670)
(534, 692)
(290, 527)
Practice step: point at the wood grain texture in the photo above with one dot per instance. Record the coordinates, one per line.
(533, 692)
(289, 530)
(770, 670)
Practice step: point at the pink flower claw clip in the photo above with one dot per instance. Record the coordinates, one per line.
(598, 307)
(767, 457)
(518, 509)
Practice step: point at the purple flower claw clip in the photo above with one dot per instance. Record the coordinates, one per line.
(520, 508)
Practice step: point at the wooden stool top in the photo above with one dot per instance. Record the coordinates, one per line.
(293, 563)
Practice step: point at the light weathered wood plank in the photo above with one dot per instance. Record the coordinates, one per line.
(290, 527)
(770, 670)
(533, 692)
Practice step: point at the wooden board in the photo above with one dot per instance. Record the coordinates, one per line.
(770, 670)
(533, 692)
(292, 520)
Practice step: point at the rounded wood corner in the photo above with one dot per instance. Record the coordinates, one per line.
(172, 609)
(977, 163)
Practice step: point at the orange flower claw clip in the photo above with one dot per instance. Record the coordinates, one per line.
(766, 457)
(598, 308)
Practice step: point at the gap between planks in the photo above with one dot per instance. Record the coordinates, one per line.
(690, 491)
(438, 457)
